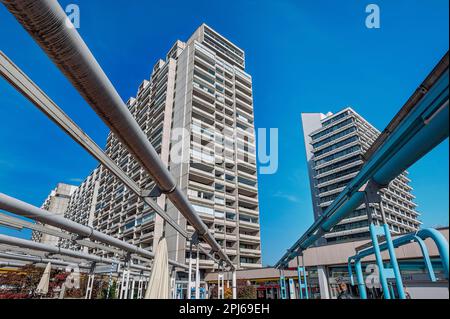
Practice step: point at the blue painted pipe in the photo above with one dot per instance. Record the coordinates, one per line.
(306, 283)
(419, 145)
(420, 131)
(300, 289)
(360, 278)
(426, 257)
(351, 204)
(350, 271)
(436, 236)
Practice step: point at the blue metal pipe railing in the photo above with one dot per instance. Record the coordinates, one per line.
(419, 237)
(420, 126)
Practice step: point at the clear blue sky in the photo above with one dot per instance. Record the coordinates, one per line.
(304, 56)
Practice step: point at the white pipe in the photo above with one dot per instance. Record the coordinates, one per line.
(18, 207)
(47, 23)
(234, 285)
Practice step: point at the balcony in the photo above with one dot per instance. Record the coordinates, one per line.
(206, 263)
(230, 223)
(338, 159)
(250, 252)
(331, 192)
(231, 252)
(250, 266)
(248, 225)
(338, 179)
(250, 200)
(249, 238)
(332, 133)
(342, 138)
(336, 150)
(253, 212)
(202, 115)
(339, 169)
(201, 175)
(203, 101)
(243, 89)
(146, 236)
(202, 157)
(220, 236)
(196, 185)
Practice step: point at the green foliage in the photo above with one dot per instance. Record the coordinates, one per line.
(112, 291)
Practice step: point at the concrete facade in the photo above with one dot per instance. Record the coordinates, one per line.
(57, 203)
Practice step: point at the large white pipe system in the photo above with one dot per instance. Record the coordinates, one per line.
(20, 208)
(48, 24)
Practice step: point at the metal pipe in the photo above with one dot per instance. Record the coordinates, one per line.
(53, 232)
(23, 84)
(234, 284)
(14, 241)
(10, 264)
(360, 278)
(438, 238)
(424, 124)
(393, 258)
(47, 23)
(379, 260)
(18, 207)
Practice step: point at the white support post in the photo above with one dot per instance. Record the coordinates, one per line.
(125, 284)
(189, 285)
(234, 285)
(220, 287)
(89, 287)
(63, 291)
(118, 287)
(323, 282)
(140, 288)
(133, 287)
(173, 285)
(197, 275)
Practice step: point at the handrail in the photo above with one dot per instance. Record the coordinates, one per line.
(48, 24)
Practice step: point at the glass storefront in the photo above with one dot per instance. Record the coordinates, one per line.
(413, 272)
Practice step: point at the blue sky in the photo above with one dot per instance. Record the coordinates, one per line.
(304, 56)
